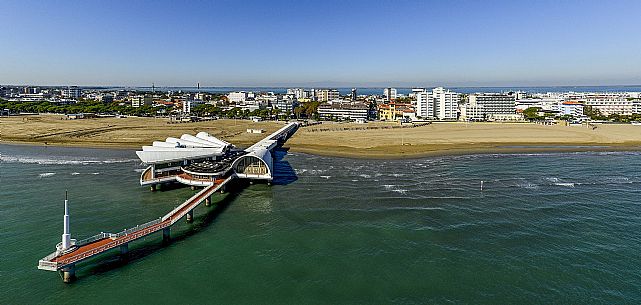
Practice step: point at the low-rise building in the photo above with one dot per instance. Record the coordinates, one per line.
(285, 105)
(106, 98)
(252, 105)
(501, 117)
(343, 111)
(395, 111)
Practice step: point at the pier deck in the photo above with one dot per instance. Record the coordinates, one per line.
(105, 241)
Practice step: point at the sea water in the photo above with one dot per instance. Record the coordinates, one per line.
(546, 228)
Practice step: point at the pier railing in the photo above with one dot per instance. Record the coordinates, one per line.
(137, 228)
(126, 238)
(99, 236)
(47, 264)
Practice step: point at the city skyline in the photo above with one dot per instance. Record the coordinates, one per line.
(309, 44)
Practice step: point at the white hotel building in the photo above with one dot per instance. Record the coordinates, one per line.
(389, 94)
(343, 110)
(237, 97)
(437, 104)
(613, 105)
(484, 106)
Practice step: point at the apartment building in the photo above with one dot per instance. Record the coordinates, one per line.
(72, 92)
(140, 100)
(438, 104)
(324, 95)
(389, 94)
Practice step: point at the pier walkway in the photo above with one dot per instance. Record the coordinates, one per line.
(105, 241)
(197, 161)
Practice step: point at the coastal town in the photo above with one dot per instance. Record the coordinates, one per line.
(320, 152)
(415, 105)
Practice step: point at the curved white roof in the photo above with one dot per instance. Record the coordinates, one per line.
(204, 145)
(185, 148)
(204, 142)
(205, 136)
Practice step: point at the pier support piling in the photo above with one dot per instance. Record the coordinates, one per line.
(69, 274)
(166, 235)
(208, 201)
(124, 251)
(190, 216)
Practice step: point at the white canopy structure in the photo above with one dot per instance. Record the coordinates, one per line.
(201, 159)
(187, 147)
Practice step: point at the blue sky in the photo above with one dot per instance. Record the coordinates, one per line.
(318, 43)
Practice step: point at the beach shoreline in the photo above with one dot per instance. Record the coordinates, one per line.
(348, 140)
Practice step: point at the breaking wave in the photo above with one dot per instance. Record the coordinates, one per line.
(50, 161)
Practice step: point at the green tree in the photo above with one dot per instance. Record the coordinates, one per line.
(532, 113)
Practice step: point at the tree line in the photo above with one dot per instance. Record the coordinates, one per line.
(305, 110)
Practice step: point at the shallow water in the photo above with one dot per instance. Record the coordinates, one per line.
(547, 228)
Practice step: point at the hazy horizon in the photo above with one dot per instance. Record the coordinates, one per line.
(320, 44)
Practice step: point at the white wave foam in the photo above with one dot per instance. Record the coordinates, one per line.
(414, 208)
(365, 176)
(326, 177)
(567, 184)
(75, 173)
(51, 161)
(528, 185)
(95, 173)
(394, 188)
(45, 175)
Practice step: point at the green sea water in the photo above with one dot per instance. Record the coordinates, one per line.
(557, 228)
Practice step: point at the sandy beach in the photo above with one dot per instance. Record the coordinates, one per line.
(332, 139)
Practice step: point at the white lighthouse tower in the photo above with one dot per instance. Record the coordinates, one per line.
(66, 236)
